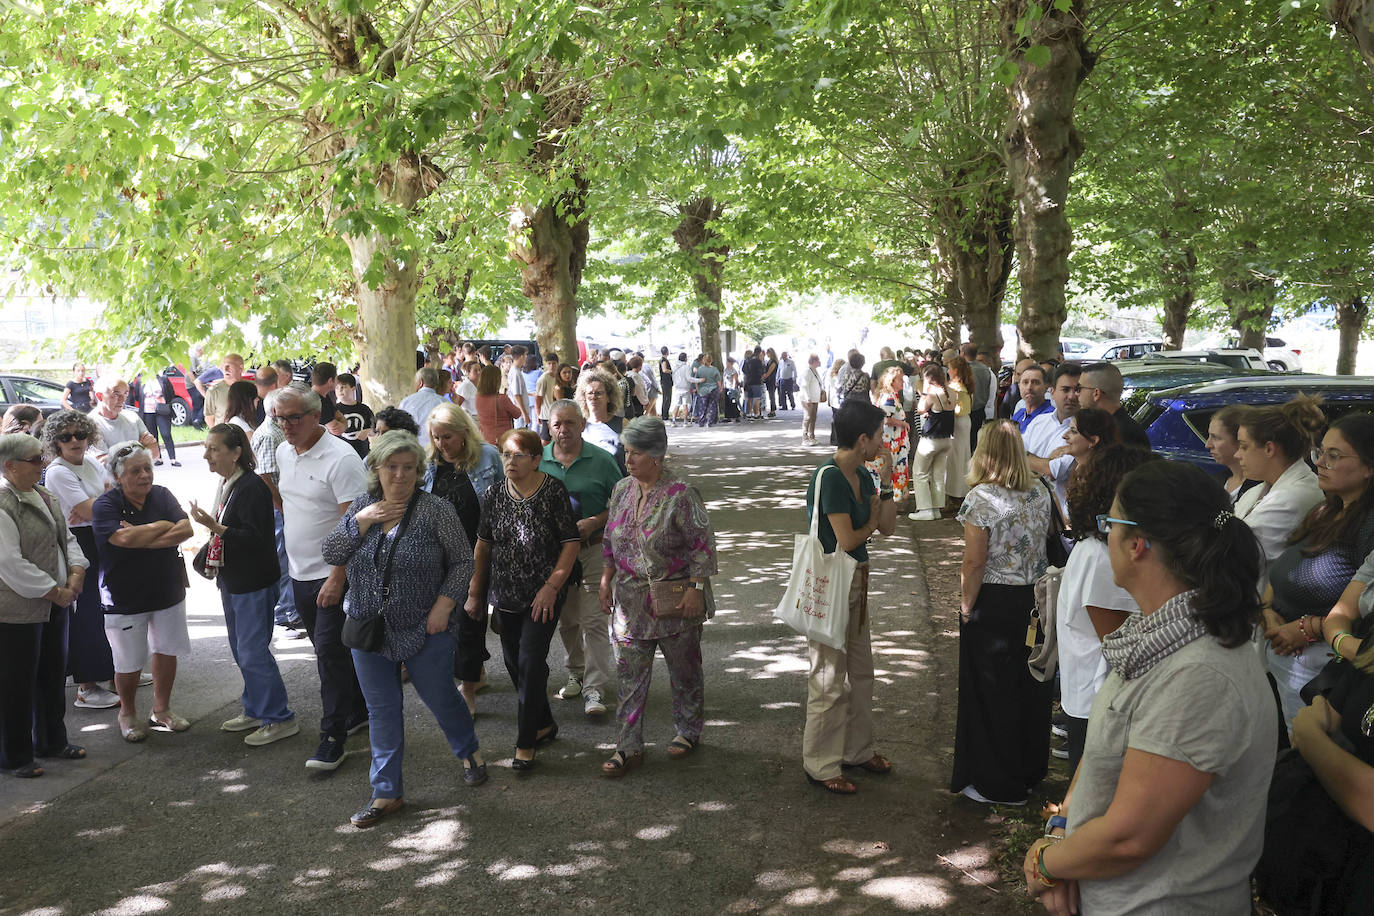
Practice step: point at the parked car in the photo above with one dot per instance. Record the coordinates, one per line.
(1075, 347)
(26, 389)
(1236, 358)
(1122, 348)
(1277, 354)
(1176, 419)
(1142, 377)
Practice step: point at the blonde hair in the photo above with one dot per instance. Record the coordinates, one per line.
(612, 390)
(1000, 458)
(455, 419)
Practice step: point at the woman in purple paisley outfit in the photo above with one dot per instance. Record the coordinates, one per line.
(656, 529)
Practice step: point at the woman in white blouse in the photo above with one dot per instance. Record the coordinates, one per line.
(76, 479)
(1272, 445)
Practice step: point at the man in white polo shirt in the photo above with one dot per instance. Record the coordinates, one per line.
(319, 476)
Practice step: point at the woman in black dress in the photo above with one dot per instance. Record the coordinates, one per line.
(770, 381)
(527, 546)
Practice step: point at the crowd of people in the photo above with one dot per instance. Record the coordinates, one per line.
(540, 503)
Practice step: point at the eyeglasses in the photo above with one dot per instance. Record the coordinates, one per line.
(290, 419)
(511, 456)
(1105, 523)
(67, 437)
(1329, 457)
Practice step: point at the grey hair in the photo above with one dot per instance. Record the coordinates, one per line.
(109, 383)
(309, 399)
(647, 435)
(18, 447)
(270, 400)
(428, 376)
(565, 404)
(384, 447)
(121, 453)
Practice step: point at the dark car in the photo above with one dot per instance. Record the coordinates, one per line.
(1176, 419)
(25, 389)
(1141, 377)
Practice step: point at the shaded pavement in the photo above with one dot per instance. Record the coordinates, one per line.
(200, 822)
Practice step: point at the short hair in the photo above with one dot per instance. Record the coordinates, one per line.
(969, 351)
(856, 417)
(18, 416)
(455, 419)
(269, 400)
(607, 382)
(323, 373)
(121, 453)
(1036, 367)
(517, 352)
(233, 436)
(489, 382)
(1071, 369)
(1000, 458)
(346, 378)
(682, 357)
(470, 364)
(856, 359)
(18, 447)
(1108, 377)
(396, 418)
(550, 357)
(390, 443)
(108, 383)
(310, 401)
(636, 363)
(646, 434)
(284, 367)
(428, 377)
(64, 420)
(232, 357)
(527, 440)
(265, 376)
(563, 404)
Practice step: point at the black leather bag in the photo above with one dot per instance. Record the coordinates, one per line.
(368, 634)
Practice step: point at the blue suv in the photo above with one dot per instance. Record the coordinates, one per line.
(1176, 419)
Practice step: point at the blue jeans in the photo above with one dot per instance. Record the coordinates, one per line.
(431, 671)
(249, 620)
(285, 610)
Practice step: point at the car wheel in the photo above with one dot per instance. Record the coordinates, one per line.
(181, 413)
(1277, 366)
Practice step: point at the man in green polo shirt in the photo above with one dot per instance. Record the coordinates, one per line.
(589, 473)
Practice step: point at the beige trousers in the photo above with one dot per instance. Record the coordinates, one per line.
(585, 631)
(809, 409)
(839, 695)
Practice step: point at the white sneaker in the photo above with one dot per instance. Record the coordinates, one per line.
(145, 679)
(96, 697)
(571, 689)
(970, 792)
(1059, 753)
(240, 723)
(594, 706)
(272, 731)
(925, 515)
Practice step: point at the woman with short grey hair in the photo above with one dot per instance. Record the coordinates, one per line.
(657, 535)
(598, 397)
(386, 448)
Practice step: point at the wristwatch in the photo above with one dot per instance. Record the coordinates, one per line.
(1058, 822)
(699, 586)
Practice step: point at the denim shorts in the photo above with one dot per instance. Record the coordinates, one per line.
(754, 392)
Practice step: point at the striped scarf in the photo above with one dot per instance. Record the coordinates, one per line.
(1145, 640)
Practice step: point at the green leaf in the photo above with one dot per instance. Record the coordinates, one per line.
(1038, 55)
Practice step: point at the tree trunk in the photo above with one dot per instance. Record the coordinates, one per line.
(696, 237)
(1042, 147)
(1350, 318)
(385, 334)
(1178, 269)
(983, 268)
(1251, 303)
(550, 242)
(1357, 18)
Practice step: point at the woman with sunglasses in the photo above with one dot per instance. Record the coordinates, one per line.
(1166, 811)
(77, 480)
(1322, 556)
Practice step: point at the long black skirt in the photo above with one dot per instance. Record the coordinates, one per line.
(1002, 736)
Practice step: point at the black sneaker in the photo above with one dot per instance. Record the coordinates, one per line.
(358, 725)
(328, 755)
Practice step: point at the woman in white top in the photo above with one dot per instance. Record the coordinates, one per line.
(242, 397)
(76, 479)
(812, 387)
(1272, 446)
(1090, 603)
(1223, 443)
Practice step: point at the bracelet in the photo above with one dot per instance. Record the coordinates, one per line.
(885, 496)
(1336, 643)
(1041, 872)
(1302, 628)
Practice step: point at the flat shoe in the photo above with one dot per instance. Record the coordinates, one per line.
(167, 721)
(376, 809)
(680, 747)
(837, 784)
(132, 732)
(520, 765)
(28, 771)
(621, 763)
(70, 752)
(550, 735)
(877, 765)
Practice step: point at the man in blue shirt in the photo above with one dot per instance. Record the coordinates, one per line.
(589, 473)
(1033, 386)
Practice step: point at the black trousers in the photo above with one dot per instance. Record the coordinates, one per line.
(975, 423)
(785, 399)
(33, 696)
(1077, 740)
(772, 386)
(472, 646)
(340, 696)
(158, 424)
(525, 648)
(88, 650)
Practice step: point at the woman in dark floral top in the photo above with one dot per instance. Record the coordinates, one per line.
(527, 546)
(407, 559)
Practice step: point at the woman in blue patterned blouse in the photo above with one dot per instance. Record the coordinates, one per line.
(407, 559)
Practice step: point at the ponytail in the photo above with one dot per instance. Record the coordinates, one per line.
(1187, 516)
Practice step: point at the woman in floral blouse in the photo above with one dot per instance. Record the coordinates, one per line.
(1002, 734)
(656, 530)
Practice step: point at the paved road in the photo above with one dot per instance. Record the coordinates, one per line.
(198, 821)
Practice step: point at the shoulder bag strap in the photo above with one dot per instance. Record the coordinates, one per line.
(400, 531)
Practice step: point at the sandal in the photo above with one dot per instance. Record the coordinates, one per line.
(837, 784)
(680, 747)
(132, 732)
(70, 752)
(29, 771)
(877, 765)
(621, 763)
(168, 721)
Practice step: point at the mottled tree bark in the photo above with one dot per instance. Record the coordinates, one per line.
(1042, 147)
(1178, 267)
(550, 243)
(1251, 303)
(1351, 316)
(697, 238)
(1357, 18)
(973, 256)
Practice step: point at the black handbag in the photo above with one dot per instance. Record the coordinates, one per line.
(1056, 552)
(1332, 671)
(369, 633)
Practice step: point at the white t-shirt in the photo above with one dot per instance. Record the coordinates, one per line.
(682, 377)
(419, 405)
(1045, 433)
(242, 424)
(1087, 581)
(75, 483)
(601, 434)
(312, 488)
(126, 427)
(468, 392)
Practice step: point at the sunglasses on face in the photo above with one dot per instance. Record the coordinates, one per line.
(67, 437)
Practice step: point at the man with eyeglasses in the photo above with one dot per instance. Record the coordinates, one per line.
(264, 444)
(116, 422)
(589, 474)
(318, 477)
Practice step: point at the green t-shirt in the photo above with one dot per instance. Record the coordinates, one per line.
(710, 377)
(589, 479)
(838, 496)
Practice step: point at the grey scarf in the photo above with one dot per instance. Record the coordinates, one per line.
(1145, 640)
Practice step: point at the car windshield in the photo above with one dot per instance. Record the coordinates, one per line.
(35, 391)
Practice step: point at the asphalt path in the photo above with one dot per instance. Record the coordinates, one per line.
(200, 822)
